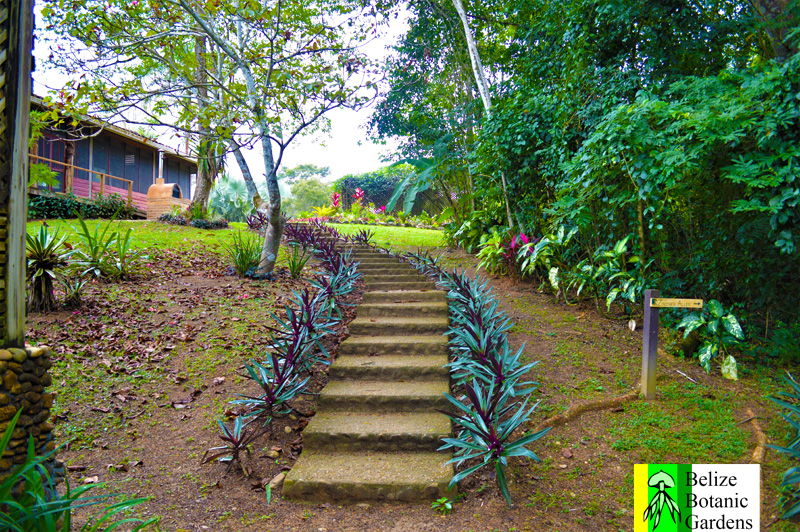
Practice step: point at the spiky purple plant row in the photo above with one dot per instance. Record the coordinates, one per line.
(491, 372)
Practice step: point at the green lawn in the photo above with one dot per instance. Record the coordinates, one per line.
(397, 238)
(156, 234)
(150, 234)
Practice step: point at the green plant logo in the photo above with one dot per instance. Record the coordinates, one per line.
(661, 481)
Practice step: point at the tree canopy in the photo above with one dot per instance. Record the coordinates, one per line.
(672, 124)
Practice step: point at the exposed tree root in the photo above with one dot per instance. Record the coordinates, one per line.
(576, 410)
(761, 439)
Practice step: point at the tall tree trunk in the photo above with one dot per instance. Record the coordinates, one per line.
(483, 89)
(249, 183)
(642, 246)
(207, 162)
(272, 240)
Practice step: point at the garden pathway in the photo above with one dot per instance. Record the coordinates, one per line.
(375, 434)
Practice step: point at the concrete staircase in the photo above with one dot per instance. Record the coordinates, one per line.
(375, 434)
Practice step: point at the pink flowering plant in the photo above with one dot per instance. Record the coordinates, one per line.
(500, 250)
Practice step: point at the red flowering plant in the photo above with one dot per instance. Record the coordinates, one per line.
(500, 248)
(336, 200)
(359, 196)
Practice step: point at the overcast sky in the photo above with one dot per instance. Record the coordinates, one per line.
(346, 149)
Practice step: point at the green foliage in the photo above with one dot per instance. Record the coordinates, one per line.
(296, 261)
(444, 506)
(244, 252)
(675, 125)
(42, 176)
(790, 496)
(431, 172)
(30, 503)
(307, 194)
(378, 186)
(229, 199)
(94, 253)
(302, 172)
(781, 345)
(549, 256)
(73, 290)
(65, 206)
(468, 235)
(47, 258)
(721, 329)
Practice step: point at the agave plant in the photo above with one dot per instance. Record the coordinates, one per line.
(48, 256)
(95, 250)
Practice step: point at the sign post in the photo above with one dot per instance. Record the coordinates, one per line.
(652, 302)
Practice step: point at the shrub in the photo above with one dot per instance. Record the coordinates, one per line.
(200, 223)
(47, 256)
(244, 252)
(790, 497)
(26, 497)
(69, 206)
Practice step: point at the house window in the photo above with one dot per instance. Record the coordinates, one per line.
(130, 159)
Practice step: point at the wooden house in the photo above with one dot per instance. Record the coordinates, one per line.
(97, 158)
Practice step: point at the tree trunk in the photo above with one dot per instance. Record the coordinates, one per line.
(272, 240)
(640, 217)
(475, 59)
(252, 191)
(483, 89)
(206, 160)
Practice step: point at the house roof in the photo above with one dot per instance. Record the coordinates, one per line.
(133, 136)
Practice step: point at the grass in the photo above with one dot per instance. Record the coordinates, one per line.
(397, 238)
(150, 234)
(660, 432)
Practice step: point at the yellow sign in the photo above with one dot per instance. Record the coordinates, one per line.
(663, 302)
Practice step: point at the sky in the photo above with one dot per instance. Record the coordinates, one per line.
(345, 149)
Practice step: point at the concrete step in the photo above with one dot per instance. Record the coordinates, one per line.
(389, 345)
(432, 308)
(387, 268)
(370, 476)
(345, 431)
(404, 296)
(402, 285)
(372, 278)
(397, 366)
(382, 326)
(375, 258)
(384, 396)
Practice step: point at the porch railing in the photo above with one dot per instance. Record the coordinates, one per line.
(69, 175)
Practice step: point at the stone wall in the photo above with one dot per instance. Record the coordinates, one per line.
(23, 378)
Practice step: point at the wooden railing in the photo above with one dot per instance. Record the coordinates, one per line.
(69, 175)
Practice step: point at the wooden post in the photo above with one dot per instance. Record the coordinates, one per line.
(130, 193)
(650, 345)
(17, 73)
(69, 166)
(102, 184)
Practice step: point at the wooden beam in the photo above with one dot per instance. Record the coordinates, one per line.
(18, 79)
